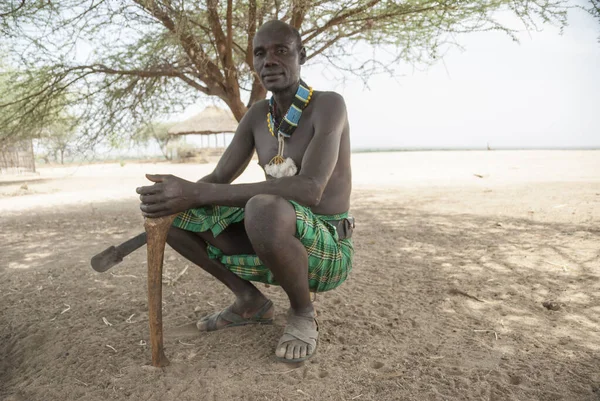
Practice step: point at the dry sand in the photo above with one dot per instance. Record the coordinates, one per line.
(455, 254)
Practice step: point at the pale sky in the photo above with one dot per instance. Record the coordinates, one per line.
(542, 92)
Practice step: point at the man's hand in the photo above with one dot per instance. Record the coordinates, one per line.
(169, 195)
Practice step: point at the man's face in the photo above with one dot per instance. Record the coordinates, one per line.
(277, 57)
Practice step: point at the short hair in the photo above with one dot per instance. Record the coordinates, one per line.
(294, 31)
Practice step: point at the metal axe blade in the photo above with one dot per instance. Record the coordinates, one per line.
(114, 255)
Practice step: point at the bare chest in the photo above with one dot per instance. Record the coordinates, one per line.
(294, 147)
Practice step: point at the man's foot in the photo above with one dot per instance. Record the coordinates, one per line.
(299, 340)
(260, 312)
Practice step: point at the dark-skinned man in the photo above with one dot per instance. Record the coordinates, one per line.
(292, 229)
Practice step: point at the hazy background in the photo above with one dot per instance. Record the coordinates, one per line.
(543, 92)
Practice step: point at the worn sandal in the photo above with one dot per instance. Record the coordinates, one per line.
(234, 319)
(299, 328)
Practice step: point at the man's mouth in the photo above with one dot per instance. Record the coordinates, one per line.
(272, 75)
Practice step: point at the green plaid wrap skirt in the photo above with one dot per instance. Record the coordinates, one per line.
(329, 258)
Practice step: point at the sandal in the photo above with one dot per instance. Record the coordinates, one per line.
(300, 328)
(234, 319)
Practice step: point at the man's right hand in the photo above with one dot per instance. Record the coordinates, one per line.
(169, 195)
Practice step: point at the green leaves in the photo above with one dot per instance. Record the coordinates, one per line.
(115, 65)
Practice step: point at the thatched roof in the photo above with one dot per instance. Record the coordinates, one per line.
(211, 120)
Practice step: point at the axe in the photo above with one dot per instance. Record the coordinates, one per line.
(156, 236)
(115, 254)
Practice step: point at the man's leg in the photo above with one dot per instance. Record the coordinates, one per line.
(249, 300)
(270, 223)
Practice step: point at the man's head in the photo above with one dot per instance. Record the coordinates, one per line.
(278, 55)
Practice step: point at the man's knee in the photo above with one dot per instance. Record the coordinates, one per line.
(175, 235)
(269, 213)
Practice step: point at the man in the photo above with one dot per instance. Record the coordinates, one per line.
(292, 229)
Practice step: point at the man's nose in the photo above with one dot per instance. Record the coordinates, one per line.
(270, 60)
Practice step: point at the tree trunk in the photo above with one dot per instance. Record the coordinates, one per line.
(164, 148)
(236, 106)
(234, 102)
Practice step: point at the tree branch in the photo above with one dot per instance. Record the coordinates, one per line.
(217, 31)
(338, 19)
(299, 9)
(251, 32)
(13, 10)
(229, 60)
(331, 42)
(208, 72)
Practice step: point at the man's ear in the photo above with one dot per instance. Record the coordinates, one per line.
(302, 55)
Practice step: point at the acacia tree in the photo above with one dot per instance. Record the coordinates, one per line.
(126, 62)
(57, 140)
(157, 132)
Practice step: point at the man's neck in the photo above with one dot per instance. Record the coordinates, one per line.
(284, 99)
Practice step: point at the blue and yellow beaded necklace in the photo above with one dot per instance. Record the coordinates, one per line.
(280, 166)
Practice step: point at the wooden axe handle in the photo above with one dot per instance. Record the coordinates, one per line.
(157, 230)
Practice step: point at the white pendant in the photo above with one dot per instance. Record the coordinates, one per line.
(286, 169)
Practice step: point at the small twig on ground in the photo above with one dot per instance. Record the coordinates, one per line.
(557, 265)
(181, 342)
(106, 322)
(111, 347)
(121, 276)
(455, 291)
(357, 396)
(79, 381)
(129, 319)
(66, 310)
(487, 331)
(304, 393)
(179, 275)
(278, 373)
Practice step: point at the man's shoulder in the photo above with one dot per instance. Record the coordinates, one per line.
(328, 104)
(257, 110)
(259, 106)
(328, 97)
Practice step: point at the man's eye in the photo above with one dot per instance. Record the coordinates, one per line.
(258, 54)
(282, 51)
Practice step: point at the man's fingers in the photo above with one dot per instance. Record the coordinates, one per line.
(152, 198)
(150, 189)
(156, 177)
(153, 208)
(157, 214)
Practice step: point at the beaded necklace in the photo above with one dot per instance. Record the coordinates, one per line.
(280, 166)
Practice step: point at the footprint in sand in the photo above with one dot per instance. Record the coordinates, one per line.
(377, 365)
(515, 380)
(323, 374)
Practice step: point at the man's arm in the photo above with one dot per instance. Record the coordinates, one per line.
(237, 156)
(172, 195)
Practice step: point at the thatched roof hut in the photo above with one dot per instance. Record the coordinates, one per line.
(212, 120)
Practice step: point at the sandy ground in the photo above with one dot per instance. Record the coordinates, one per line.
(455, 254)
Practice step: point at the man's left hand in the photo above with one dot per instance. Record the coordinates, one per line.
(169, 195)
